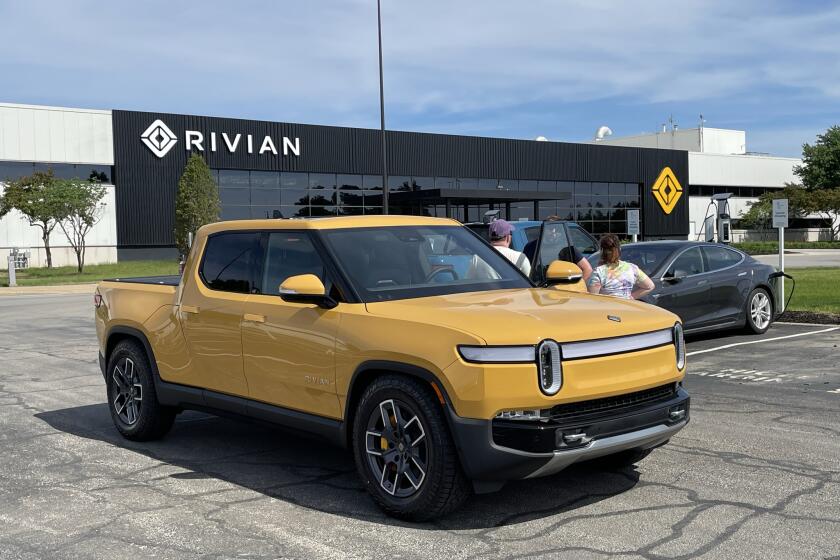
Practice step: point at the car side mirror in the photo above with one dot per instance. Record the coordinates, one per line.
(306, 288)
(562, 272)
(674, 277)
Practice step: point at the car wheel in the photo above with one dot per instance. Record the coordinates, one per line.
(759, 311)
(404, 452)
(131, 395)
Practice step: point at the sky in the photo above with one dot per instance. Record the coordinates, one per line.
(517, 69)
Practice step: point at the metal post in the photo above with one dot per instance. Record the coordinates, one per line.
(635, 238)
(382, 114)
(781, 304)
(12, 276)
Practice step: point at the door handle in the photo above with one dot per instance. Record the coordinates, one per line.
(251, 317)
(702, 282)
(189, 308)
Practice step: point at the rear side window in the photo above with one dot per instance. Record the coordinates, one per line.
(688, 263)
(232, 262)
(582, 242)
(483, 231)
(290, 254)
(719, 257)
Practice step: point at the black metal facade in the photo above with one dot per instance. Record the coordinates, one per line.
(146, 184)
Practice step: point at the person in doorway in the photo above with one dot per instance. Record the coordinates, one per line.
(567, 252)
(615, 277)
(500, 237)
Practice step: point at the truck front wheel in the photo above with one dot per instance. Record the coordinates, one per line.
(132, 399)
(404, 452)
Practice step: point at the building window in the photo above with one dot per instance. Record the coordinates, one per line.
(14, 170)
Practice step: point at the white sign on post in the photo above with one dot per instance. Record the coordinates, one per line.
(633, 225)
(780, 220)
(780, 213)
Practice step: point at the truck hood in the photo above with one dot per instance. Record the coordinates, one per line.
(527, 316)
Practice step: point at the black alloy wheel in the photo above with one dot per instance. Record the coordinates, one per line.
(396, 446)
(132, 399)
(404, 451)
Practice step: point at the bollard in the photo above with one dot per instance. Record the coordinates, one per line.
(12, 278)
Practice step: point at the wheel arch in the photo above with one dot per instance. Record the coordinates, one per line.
(118, 333)
(367, 372)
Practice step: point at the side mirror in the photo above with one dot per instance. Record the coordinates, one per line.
(306, 288)
(562, 272)
(674, 277)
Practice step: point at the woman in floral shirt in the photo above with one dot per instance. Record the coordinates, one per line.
(615, 277)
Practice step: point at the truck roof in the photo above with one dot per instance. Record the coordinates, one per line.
(337, 222)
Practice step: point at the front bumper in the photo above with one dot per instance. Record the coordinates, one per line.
(625, 426)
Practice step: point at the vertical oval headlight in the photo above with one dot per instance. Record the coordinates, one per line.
(549, 368)
(679, 345)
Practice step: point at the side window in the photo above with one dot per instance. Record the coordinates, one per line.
(231, 262)
(532, 233)
(688, 263)
(553, 246)
(719, 257)
(290, 254)
(581, 240)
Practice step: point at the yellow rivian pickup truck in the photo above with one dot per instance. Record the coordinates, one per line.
(409, 340)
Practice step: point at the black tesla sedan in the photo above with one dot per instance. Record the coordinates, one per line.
(709, 286)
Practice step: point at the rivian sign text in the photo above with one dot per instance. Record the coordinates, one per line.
(160, 139)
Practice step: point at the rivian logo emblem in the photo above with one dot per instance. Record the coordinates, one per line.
(667, 190)
(158, 138)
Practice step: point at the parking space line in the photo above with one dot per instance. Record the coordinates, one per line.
(724, 347)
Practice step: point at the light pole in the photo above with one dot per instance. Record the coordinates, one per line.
(382, 114)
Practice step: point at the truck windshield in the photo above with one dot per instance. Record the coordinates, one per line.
(399, 262)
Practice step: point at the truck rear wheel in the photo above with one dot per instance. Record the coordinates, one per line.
(404, 452)
(132, 399)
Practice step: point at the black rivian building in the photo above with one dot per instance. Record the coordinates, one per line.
(282, 170)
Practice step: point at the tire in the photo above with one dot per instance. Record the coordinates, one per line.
(759, 311)
(621, 460)
(410, 465)
(132, 399)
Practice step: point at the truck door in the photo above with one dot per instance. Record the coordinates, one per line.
(211, 310)
(289, 348)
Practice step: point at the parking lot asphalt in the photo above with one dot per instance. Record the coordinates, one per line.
(756, 474)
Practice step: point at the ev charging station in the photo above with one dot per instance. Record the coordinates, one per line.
(719, 227)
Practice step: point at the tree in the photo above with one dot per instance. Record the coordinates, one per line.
(760, 213)
(820, 167)
(826, 202)
(197, 202)
(39, 199)
(83, 210)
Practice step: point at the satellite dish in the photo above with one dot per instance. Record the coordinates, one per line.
(602, 132)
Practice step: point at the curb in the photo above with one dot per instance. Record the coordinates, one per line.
(54, 289)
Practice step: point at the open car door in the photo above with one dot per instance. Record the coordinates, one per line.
(553, 245)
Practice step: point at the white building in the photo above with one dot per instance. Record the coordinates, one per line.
(718, 162)
(72, 142)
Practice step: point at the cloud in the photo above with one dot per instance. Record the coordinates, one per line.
(468, 64)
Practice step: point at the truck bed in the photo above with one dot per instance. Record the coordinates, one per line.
(172, 280)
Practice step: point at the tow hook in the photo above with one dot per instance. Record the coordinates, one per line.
(572, 440)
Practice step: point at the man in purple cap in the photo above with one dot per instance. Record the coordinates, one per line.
(500, 236)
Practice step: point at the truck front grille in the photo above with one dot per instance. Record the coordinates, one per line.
(570, 411)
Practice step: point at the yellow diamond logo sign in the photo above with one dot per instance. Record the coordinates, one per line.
(667, 190)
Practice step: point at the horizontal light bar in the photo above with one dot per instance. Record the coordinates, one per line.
(618, 345)
(497, 354)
